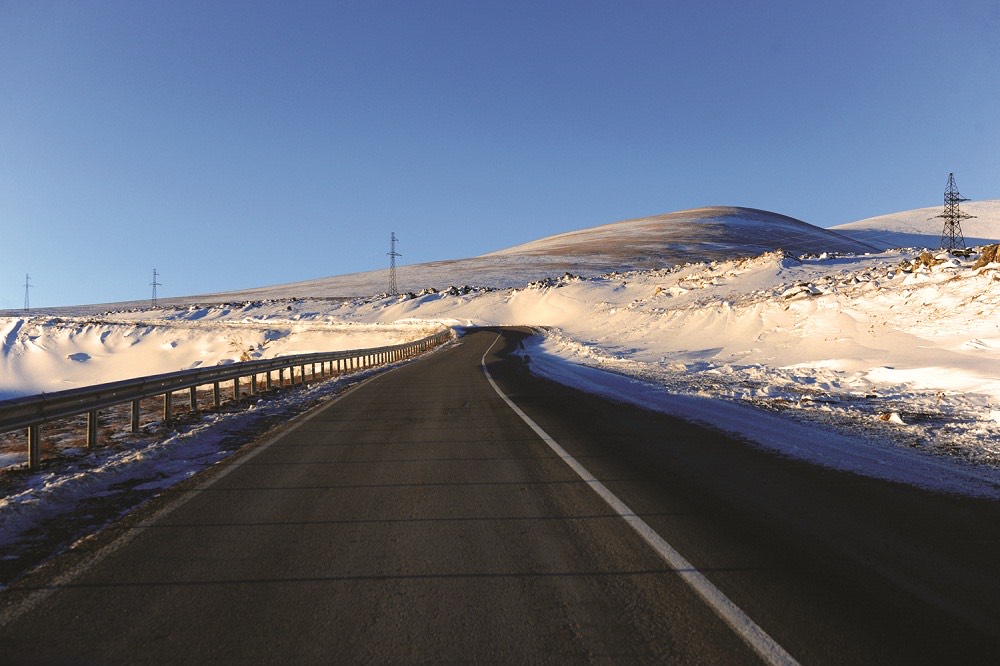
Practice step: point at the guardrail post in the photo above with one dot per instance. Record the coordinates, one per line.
(167, 407)
(135, 415)
(236, 389)
(268, 382)
(216, 395)
(303, 374)
(253, 384)
(34, 447)
(193, 399)
(92, 429)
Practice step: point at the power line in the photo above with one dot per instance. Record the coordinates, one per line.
(393, 288)
(951, 235)
(152, 302)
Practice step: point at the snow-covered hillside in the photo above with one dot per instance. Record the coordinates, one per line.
(922, 227)
(702, 234)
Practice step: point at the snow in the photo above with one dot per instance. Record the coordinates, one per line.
(922, 227)
(802, 440)
(45, 354)
(883, 364)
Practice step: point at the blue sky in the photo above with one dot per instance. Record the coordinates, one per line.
(242, 144)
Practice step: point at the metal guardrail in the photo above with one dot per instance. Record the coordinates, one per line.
(30, 412)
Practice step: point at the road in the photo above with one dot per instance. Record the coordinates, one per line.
(420, 518)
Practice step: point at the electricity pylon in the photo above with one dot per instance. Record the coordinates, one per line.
(27, 286)
(155, 284)
(393, 288)
(951, 235)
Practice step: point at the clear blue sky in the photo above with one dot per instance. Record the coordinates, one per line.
(241, 144)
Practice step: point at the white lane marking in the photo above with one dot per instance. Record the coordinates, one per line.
(15, 611)
(731, 614)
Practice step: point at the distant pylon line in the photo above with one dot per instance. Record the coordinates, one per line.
(152, 302)
(393, 287)
(951, 234)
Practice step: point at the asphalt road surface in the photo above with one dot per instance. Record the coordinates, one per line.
(420, 518)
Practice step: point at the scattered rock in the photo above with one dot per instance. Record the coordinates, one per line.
(927, 259)
(989, 256)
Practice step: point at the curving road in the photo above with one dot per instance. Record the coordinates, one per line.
(420, 518)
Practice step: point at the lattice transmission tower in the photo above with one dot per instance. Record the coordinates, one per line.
(951, 235)
(155, 284)
(27, 287)
(393, 287)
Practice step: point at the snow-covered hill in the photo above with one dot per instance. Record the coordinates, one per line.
(703, 234)
(922, 228)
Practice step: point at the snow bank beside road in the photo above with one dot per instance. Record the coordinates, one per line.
(802, 440)
(46, 354)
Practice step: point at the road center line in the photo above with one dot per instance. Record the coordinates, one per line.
(765, 646)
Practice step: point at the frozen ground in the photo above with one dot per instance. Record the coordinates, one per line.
(884, 364)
